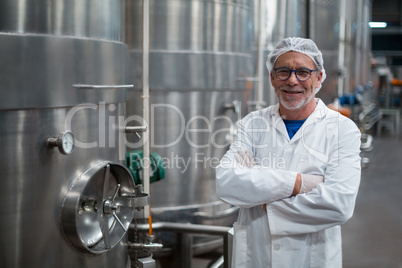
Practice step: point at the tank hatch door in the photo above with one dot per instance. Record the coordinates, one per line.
(99, 207)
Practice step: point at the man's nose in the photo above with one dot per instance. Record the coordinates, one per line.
(293, 79)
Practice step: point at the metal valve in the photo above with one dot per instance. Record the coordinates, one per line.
(99, 207)
(235, 106)
(135, 129)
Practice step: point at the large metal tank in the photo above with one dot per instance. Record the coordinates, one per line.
(46, 47)
(324, 28)
(340, 29)
(199, 57)
(355, 42)
(282, 18)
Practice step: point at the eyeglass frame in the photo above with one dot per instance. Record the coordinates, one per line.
(294, 71)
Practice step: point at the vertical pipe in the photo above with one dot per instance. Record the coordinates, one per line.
(260, 52)
(400, 12)
(367, 39)
(227, 249)
(342, 41)
(145, 96)
(359, 63)
(307, 20)
(312, 19)
(185, 249)
(282, 14)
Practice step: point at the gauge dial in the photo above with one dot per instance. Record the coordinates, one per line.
(65, 142)
(66, 139)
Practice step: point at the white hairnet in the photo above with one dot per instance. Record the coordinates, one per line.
(301, 45)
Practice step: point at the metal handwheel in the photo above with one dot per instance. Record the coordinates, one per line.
(99, 207)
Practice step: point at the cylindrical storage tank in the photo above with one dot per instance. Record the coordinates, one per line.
(199, 60)
(46, 47)
(356, 44)
(283, 18)
(324, 30)
(341, 31)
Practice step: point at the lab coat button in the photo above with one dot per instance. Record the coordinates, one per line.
(277, 247)
(289, 147)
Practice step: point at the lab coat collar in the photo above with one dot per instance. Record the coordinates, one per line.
(317, 115)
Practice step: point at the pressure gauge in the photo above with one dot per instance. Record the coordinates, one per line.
(64, 142)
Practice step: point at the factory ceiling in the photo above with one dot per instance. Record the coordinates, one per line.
(388, 41)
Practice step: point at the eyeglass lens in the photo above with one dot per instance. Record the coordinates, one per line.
(284, 73)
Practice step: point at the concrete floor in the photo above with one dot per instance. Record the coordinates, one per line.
(373, 236)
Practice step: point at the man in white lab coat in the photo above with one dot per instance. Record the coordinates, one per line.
(293, 169)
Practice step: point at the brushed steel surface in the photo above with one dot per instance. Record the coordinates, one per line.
(346, 57)
(36, 179)
(199, 54)
(325, 21)
(46, 46)
(193, 45)
(198, 50)
(283, 18)
(357, 45)
(39, 71)
(90, 18)
(191, 132)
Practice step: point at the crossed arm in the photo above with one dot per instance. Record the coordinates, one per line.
(242, 183)
(304, 183)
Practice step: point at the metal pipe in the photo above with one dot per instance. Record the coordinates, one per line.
(260, 51)
(218, 263)
(145, 96)
(86, 86)
(342, 44)
(193, 229)
(358, 46)
(183, 228)
(135, 129)
(312, 18)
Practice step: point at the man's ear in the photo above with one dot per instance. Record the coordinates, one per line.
(319, 79)
(271, 75)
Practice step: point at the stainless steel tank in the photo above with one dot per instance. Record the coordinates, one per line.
(324, 29)
(282, 18)
(200, 56)
(46, 47)
(340, 29)
(356, 45)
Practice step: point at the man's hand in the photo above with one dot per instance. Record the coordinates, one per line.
(309, 182)
(304, 183)
(245, 158)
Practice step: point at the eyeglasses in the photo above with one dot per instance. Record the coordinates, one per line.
(302, 74)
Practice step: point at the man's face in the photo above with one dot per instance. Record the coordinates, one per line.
(292, 93)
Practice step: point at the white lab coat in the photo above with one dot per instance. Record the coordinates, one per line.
(299, 231)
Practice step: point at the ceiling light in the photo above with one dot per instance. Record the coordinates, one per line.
(375, 24)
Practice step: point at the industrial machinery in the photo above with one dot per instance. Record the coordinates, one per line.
(67, 199)
(346, 46)
(206, 72)
(200, 62)
(71, 169)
